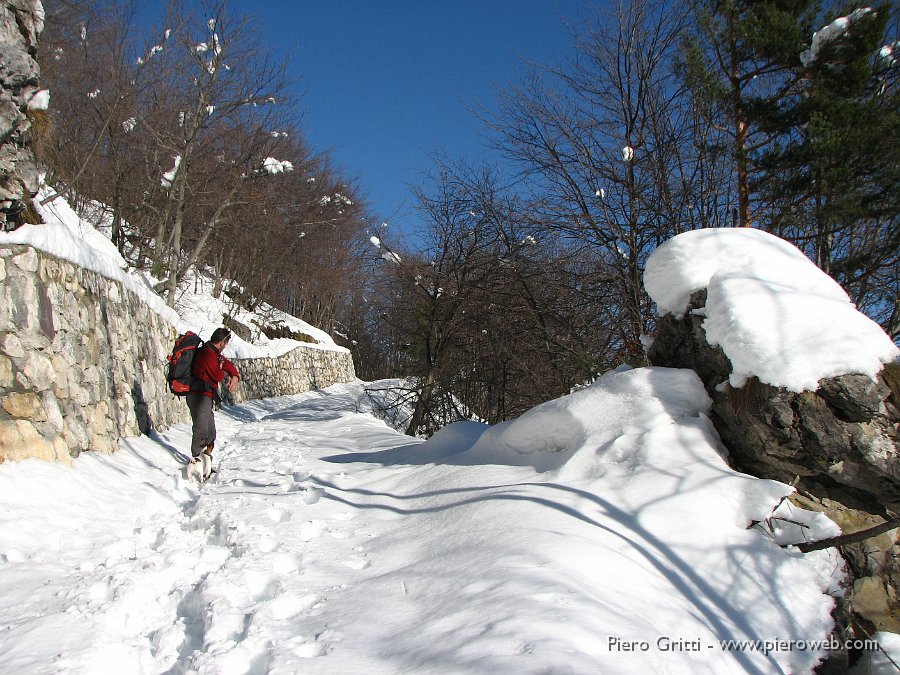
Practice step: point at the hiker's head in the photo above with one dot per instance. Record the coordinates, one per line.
(220, 337)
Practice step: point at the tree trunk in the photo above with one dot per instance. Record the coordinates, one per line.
(423, 404)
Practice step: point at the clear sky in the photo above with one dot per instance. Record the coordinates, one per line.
(385, 82)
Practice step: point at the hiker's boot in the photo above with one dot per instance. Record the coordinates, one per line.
(208, 450)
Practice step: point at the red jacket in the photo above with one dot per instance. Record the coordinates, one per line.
(209, 367)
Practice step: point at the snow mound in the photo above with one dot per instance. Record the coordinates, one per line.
(619, 403)
(637, 445)
(774, 313)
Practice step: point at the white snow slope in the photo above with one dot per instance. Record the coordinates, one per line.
(600, 532)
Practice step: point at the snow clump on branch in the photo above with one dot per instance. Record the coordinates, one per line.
(830, 33)
(272, 166)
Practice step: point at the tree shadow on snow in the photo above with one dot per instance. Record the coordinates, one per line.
(723, 618)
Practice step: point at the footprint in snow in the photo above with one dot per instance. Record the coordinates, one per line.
(287, 605)
(261, 585)
(267, 545)
(311, 529)
(285, 563)
(277, 515)
(312, 495)
(356, 563)
(311, 650)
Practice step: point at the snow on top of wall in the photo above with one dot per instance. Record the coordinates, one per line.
(65, 235)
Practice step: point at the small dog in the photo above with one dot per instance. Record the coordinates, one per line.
(199, 468)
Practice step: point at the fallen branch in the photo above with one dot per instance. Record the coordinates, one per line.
(808, 546)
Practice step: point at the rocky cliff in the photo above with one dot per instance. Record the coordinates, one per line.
(837, 445)
(21, 21)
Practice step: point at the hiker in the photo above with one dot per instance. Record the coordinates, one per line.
(209, 369)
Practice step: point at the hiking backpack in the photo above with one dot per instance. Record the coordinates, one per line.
(179, 376)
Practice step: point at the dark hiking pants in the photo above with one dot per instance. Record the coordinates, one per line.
(204, 429)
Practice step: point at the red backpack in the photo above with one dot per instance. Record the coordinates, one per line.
(180, 377)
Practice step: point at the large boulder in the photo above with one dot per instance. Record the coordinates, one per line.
(837, 445)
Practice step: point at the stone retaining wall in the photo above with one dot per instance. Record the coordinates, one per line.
(82, 361)
(302, 369)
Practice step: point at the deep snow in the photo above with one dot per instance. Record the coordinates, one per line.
(328, 542)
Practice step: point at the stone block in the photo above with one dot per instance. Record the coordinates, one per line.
(61, 371)
(27, 261)
(103, 444)
(99, 420)
(23, 301)
(6, 310)
(75, 433)
(80, 396)
(34, 340)
(24, 405)
(52, 411)
(39, 370)
(20, 440)
(7, 374)
(91, 375)
(46, 315)
(63, 454)
(12, 346)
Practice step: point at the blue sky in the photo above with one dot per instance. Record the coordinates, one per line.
(385, 82)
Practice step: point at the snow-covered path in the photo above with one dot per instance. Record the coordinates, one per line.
(329, 543)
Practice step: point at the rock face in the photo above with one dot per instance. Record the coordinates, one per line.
(83, 362)
(837, 445)
(20, 23)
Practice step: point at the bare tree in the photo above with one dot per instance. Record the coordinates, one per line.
(600, 140)
(490, 316)
(210, 99)
(184, 134)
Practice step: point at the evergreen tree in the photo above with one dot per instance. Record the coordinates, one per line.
(807, 98)
(736, 64)
(831, 177)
